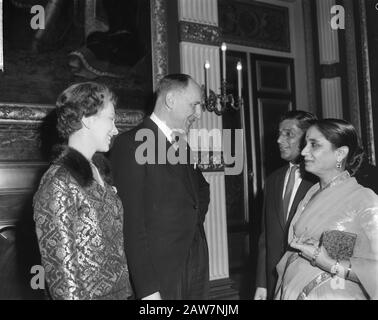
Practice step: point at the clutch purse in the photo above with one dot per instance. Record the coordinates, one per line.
(339, 244)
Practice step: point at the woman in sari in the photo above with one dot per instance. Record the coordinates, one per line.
(339, 203)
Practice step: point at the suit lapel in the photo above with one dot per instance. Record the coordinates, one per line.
(302, 190)
(181, 171)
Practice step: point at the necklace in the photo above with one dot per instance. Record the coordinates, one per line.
(340, 177)
(335, 180)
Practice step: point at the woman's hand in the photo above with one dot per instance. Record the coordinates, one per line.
(307, 249)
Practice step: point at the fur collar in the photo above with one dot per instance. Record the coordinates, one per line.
(79, 167)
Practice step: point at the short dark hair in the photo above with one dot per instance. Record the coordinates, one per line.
(342, 133)
(172, 82)
(304, 118)
(80, 100)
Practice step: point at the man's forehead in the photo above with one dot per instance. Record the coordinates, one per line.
(289, 125)
(196, 89)
(195, 95)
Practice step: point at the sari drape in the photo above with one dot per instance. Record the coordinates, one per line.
(346, 206)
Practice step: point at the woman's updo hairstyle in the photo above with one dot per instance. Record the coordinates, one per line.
(78, 101)
(341, 133)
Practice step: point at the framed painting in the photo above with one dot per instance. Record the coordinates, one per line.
(50, 44)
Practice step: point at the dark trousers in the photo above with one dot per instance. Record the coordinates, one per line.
(194, 282)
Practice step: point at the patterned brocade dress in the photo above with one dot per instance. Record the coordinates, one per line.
(79, 226)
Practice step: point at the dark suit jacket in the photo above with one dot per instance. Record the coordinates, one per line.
(164, 206)
(367, 176)
(273, 237)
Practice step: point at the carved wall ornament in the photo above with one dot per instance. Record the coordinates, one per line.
(255, 24)
(199, 33)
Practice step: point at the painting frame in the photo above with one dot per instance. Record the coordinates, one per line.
(16, 110)
(20, 122)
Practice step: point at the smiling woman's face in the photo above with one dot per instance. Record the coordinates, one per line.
(104, 127)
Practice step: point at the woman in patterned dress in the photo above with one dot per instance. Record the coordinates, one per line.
(78, 215)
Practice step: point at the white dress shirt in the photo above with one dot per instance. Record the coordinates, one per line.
(162, 126)
(297, 182)
(167, 132)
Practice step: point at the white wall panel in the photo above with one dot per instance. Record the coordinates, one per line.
(216, 226)
(199, 11)
(328, 39)
(332, 98)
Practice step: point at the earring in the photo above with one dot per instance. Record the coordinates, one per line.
(338, 164)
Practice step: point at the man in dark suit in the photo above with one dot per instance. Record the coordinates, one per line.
(165, 203)
(284, 189)
(367, 175)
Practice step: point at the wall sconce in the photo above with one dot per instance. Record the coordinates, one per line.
(218, 103)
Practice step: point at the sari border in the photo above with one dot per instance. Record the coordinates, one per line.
(316, 282)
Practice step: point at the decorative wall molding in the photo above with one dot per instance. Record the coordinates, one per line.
(210, 161)
(368, 103)
(199, 33)
(128, 118)
(24, 113)
(10, 112)
(255, 24)
(159, 40)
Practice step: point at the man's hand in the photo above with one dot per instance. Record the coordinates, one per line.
(154, 296)
(260, 294)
